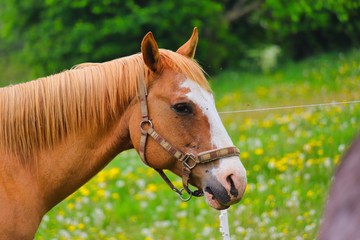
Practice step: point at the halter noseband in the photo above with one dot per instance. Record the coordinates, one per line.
(188, 160)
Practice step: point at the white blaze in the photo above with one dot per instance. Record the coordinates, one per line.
(219, 136)
(205, 100)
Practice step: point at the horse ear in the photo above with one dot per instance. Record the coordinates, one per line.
(189, 48)
(150, 52)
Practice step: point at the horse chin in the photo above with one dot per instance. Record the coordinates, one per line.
(213, 202)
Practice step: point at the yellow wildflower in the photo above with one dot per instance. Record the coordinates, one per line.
(258, 151)
(151, 188)
(244, 155)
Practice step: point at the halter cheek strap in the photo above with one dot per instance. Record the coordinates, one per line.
(188, 160)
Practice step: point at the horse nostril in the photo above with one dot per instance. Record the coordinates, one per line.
(233, 190)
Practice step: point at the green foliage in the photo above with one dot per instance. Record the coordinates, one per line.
(306, 26)
(59, 34)
(53, 35)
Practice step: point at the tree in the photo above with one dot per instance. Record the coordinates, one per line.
(57, 34)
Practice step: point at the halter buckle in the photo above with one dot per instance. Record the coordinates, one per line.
(187, 161)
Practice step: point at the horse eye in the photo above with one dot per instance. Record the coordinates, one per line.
(182, 108)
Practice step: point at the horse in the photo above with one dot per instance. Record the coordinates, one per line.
(59, 131)
(341, 218)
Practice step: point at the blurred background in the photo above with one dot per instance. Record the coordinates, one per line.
(259, 54)
(48, 36)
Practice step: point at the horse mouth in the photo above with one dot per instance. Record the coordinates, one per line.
(216, 199)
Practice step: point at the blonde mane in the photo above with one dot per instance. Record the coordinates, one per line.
(38, 114)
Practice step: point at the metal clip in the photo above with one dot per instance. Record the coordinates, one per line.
(184, 199)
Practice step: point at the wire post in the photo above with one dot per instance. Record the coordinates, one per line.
(224, 224)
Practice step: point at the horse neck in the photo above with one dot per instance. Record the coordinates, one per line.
(84, 152)
(79, 157)
(66, 150)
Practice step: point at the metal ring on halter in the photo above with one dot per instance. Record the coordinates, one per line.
(186, 162)
(181, 195)
(142, 123)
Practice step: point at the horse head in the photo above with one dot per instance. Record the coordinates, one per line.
(189, 139)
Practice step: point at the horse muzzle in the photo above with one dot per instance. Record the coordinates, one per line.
(225, 185)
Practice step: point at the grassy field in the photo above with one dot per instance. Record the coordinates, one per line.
(289, 155)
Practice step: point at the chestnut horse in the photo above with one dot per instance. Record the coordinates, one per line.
(57, 132)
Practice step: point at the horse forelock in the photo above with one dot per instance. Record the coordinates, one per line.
(189, 67)
(38, 114)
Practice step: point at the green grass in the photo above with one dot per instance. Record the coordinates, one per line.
(289, 155)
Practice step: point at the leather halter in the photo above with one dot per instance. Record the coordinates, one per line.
(188, 160)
